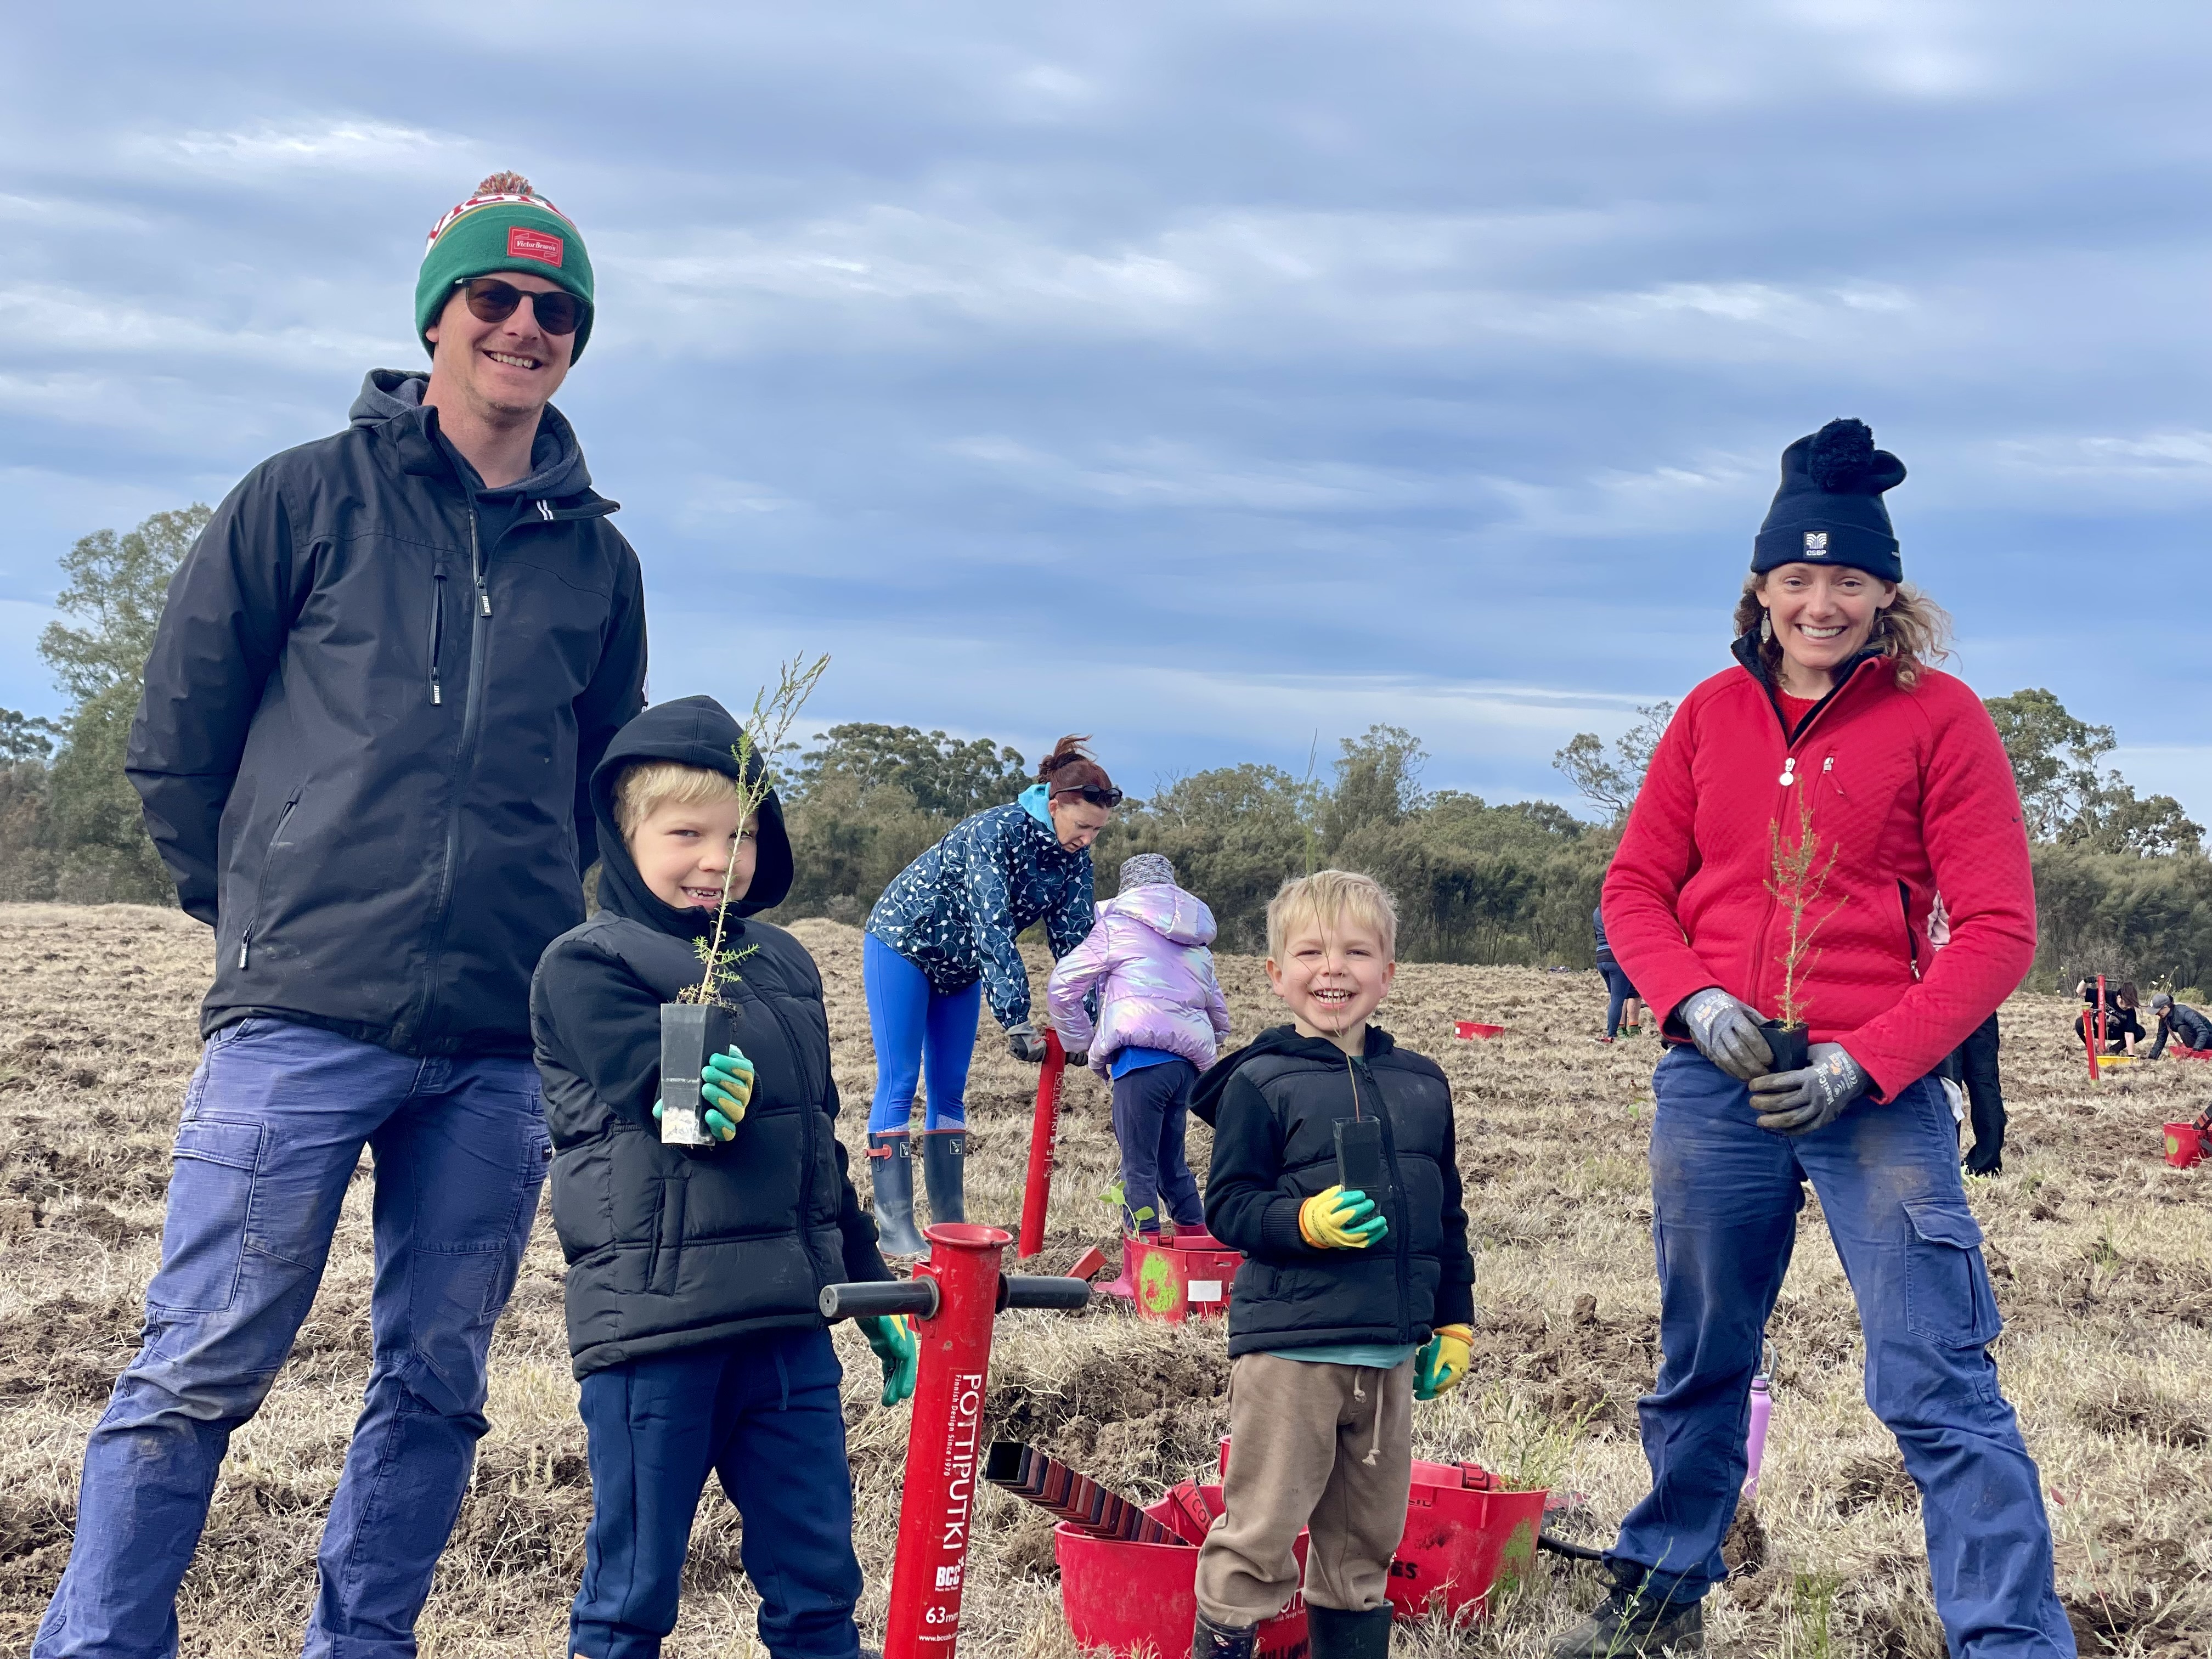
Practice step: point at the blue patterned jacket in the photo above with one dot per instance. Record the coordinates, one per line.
(955, 911)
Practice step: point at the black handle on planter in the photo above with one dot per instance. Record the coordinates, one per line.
(894, 1296)
(1033, 1290)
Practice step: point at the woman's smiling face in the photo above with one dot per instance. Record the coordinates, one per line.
(1823, 616)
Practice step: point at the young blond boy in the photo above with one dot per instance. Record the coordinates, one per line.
(1350, 1305)
(693, 1272)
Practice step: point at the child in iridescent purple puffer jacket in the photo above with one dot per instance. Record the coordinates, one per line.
(1161, 1016)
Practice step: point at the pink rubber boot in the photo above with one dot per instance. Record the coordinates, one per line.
(1126, 1286)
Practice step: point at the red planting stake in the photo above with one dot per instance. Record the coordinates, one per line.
(1044, 1130)
(2093, 1033)
(953, 1296)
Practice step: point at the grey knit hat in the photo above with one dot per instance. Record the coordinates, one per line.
(1147, 869)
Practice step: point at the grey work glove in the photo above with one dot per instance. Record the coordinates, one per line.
(1798, 1103)
(1078, 1058)
(1024, 1043)
(1727, 1032)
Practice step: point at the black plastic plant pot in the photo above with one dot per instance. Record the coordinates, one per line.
(691, 1034)
(1789, 1042)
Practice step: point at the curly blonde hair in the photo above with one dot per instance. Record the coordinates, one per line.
(1912, 630)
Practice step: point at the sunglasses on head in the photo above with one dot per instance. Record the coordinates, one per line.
(1093, 794)
(491, 300)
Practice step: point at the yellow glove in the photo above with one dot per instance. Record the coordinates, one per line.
(1442, 1362)
(1340, 1220)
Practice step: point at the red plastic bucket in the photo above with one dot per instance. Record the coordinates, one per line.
(1142, 1598)
(2184, 1145)
(1473, 1028)
(1466, 1543)
(1188, 1275)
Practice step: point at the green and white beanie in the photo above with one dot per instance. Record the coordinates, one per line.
(504, 225)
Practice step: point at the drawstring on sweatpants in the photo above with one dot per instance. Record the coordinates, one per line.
(1374, 1444)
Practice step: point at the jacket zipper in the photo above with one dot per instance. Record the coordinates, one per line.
(261, 887)
(437, 628)
(463, 757)
(1396, 1195)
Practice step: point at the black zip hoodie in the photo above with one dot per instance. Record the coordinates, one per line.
(670, 1247)
(1275, 1105)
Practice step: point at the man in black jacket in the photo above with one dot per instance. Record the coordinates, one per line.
(2187, 1027)
(381, 677)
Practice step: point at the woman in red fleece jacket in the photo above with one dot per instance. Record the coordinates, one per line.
(1832, 728)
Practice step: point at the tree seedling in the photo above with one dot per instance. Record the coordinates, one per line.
(696, 1025)
(1798, 879)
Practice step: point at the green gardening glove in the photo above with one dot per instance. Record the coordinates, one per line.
(729, 1084)
(1341, 1219)
(892, 1338)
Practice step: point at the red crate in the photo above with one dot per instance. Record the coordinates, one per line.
(1141, 1599)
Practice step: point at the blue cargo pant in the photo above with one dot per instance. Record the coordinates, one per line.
(1725, 1198)
(273, 1126)
(760, 1414)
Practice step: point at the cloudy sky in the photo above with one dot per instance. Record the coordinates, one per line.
(1205, 376)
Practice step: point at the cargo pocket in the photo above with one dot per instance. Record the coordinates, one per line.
(210, 1197)
(1948, 1298)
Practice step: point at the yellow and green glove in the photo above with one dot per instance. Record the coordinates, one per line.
(891, 1335)
(1341, 1219)
(728, 1084)
(1442, 1361)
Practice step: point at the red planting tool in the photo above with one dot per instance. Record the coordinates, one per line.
(2092, 1034)
(1044, 1130)
(953, 1296)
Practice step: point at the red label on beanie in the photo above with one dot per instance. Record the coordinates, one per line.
(524, 244)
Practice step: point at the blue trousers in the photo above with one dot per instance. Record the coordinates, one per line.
(273, 1126)
(1725, 1198)
(760, 1414)
(912, 1025)
(1152, 1110)
(1618, 991)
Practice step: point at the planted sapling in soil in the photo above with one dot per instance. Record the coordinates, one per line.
(696, 1027)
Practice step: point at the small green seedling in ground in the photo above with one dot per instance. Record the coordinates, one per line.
(1813, 1602)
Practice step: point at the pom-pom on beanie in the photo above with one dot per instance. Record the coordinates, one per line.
(1146, 870)
(504, 225)
(1829, 509)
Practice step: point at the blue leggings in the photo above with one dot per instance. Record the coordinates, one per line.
(911, 1023)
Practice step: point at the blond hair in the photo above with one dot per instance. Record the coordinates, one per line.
(1912, 630)
(1331, 898)
(649, 784)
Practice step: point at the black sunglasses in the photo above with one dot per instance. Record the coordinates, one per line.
(491, 300)
(1093, 794)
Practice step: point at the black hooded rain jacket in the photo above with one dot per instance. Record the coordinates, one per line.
(366, 724)
(672, 1247)
(1275, 1105)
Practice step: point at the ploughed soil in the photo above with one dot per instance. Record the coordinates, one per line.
(2102, 1258)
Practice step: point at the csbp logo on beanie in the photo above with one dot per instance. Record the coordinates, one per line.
(1816, 543)
(523, 243)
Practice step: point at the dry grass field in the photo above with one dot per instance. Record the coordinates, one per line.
(2102, 1257)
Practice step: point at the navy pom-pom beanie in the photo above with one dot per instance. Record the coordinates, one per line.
(1829, 509)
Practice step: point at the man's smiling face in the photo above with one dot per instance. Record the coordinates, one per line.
(508, 370)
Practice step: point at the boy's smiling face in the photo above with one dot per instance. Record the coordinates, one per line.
(683, 852)
(1333, 978)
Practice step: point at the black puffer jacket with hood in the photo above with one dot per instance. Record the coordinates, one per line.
(671, 1246)
(366, 725)
(1275, 1105)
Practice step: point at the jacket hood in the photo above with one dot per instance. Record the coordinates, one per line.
(693, 732)
(1178, 917)
(557, 459)
(1205, 1094)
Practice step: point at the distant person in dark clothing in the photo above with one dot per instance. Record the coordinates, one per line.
(1620, 996)
(1977, 1059)
(2123, 1026)
(2187, 1026)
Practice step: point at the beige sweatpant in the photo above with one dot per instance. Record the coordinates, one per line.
(1328, 1447)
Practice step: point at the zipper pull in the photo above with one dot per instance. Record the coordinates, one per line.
(244, 940)
(1789, 771)
(437, 696)
(483, 598)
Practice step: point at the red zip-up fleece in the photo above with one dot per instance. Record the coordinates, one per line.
(1912, 791)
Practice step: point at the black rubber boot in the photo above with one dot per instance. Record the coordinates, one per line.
(890, 1171)
(1334, 1633)
(1211, 1641)
(1630, 1624)
(945, 1167)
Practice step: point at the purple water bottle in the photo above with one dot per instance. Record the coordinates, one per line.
(1762, 1405)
